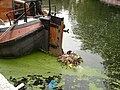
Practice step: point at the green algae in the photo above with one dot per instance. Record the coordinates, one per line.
(40, 63)
(92, 72)
(94, 87)
(36, 63)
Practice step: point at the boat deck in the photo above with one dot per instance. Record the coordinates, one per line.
(21, 29)
(7, 24)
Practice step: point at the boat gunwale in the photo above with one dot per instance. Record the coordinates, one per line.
(22, 25)
(10, 41)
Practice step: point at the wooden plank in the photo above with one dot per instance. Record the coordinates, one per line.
(56, 35)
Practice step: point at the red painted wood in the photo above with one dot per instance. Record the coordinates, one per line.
(13, 34)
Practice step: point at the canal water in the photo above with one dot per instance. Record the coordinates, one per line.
(94, 34)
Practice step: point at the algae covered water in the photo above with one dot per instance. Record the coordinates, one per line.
(38, 69)
(94, 34)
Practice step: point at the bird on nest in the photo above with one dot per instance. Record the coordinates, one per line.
(70, 58)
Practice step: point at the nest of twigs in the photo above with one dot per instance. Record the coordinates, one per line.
(70, 58)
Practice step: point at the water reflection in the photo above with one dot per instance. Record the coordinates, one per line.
(98, 29)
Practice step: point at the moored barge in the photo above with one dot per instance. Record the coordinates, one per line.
(24, 28)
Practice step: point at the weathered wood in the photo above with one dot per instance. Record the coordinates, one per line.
(56, 34)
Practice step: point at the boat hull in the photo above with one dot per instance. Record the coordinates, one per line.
(24, 44)
(22, 32)
(45, 34)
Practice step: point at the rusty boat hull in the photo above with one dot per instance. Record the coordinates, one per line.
(42, 34)
(22, 31)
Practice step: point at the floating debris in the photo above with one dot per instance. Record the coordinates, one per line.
(53, 84)
(71, 59)
(39, 81)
